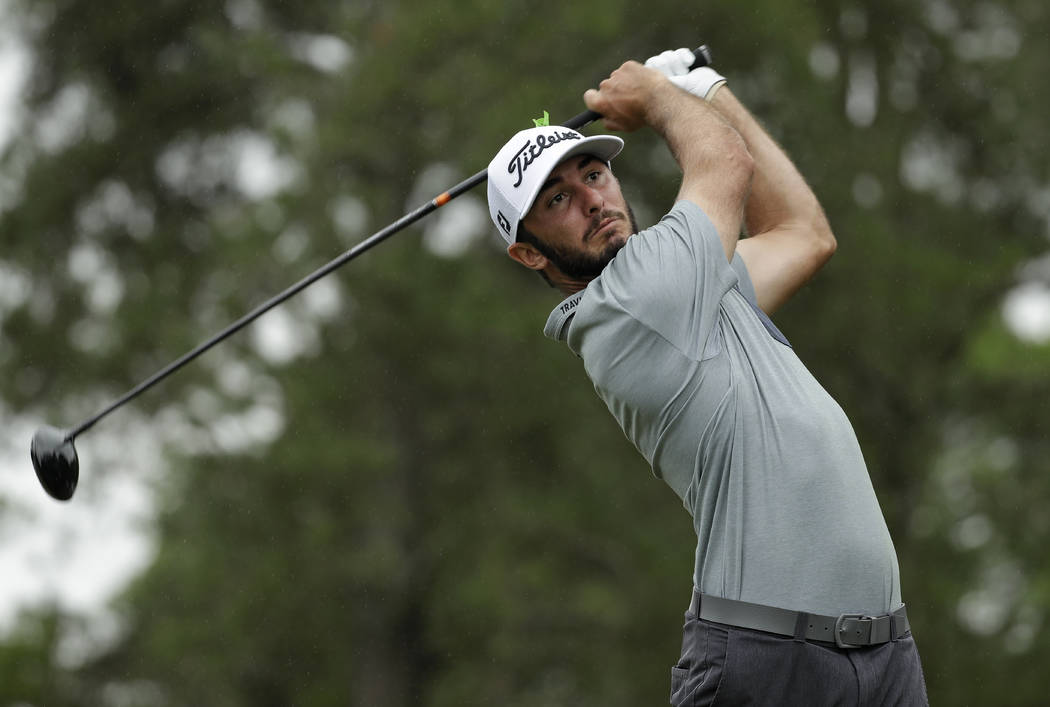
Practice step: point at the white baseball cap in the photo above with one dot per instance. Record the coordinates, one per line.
(517, 172)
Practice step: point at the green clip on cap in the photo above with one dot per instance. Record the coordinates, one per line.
(542, 122)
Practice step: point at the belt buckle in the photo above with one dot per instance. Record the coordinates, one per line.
(840, 628)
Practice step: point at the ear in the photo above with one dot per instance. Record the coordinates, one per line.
(527, 255)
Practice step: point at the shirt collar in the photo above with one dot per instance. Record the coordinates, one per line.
(558, 321)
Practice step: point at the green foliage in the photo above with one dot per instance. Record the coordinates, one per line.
(450, 516)
(28, 665)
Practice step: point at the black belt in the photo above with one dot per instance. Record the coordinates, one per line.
(845, 630)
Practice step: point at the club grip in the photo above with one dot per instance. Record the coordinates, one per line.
(701, 57)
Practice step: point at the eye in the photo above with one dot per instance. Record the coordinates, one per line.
(556, 199)
(593, 176)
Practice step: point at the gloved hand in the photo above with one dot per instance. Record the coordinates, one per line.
(674, 64)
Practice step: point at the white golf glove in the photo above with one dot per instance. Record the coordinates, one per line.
(674, 64)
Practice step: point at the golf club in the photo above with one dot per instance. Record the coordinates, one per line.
(51, 450)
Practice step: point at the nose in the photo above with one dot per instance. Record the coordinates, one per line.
(593, 202)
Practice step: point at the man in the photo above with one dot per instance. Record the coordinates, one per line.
(796, 585)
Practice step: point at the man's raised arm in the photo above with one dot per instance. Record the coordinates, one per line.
(790, 236)
(714, 158)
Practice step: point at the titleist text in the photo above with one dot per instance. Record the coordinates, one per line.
(530, 152)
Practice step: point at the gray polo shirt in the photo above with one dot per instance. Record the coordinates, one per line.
(715, 399)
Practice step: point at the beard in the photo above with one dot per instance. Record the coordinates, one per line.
(578, 264)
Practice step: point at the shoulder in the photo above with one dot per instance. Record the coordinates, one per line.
(685, 217)
(684, 241)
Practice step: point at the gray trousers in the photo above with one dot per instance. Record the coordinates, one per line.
(726, 665)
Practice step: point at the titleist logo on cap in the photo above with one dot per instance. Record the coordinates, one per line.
(530, 152)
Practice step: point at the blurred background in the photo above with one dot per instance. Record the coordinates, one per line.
(393, 490)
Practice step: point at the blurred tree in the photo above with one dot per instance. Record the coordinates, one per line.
(28, 665)
(442, 512)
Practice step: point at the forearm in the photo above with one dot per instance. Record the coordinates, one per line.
(790, 236)
(716, 166)
(780, 197)
(700, 138)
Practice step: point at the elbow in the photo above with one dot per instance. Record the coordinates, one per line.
(830, 246)
(735, 167)
(740, 165)
(825, 242)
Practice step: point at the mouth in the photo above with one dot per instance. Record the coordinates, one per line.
(602, 226)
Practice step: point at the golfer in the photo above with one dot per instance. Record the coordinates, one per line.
(796, 589)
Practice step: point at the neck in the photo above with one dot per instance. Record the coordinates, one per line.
(565, 284)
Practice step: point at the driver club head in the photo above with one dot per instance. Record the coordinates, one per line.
(56, 463)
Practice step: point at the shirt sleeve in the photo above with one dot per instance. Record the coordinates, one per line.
(672, 277)
(746, 287)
